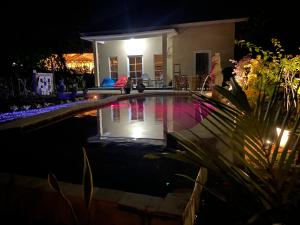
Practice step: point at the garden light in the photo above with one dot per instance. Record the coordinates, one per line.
(284, 138)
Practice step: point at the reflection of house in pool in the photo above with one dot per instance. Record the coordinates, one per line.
(162, 52)
(145, 118)
(125, 182)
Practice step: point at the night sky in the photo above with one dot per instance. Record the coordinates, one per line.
(51, 24)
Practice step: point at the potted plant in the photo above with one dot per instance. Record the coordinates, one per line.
(128, 86)
(140, 86)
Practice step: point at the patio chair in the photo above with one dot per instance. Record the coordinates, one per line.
(121, 82)
(107, 82)
(158, 81)
(181, 82)
(146, 79)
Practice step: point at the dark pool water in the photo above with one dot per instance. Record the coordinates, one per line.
(116, 139)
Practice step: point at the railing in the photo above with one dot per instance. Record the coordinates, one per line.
(195, 82)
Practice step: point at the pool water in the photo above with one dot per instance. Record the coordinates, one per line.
(116, 138)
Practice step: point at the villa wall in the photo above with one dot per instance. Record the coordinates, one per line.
(118, 48)
(181, 49)
(215, 38)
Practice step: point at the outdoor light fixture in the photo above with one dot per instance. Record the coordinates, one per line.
(136, 131)
(134, 46)
(268, 142)
(95, 97)
(284, 138)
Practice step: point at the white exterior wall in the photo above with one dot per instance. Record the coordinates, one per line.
(215, 38)
(117, 48)
(169, 59)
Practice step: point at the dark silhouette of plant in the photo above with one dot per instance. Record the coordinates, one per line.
(87, 182)
(264, 168)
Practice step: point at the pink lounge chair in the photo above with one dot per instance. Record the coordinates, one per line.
(121, 82)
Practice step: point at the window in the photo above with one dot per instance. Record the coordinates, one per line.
(135, 67)
(115, 109)
(177, 69)
(113, 64)
(158, 66)
(202, 63)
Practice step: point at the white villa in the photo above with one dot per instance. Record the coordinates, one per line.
(180, 49)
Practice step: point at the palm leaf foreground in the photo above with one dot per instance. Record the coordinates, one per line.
(249, 151)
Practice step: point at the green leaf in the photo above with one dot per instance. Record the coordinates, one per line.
(53, 182)
(87, 180)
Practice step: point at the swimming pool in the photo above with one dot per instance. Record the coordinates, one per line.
(116, 138)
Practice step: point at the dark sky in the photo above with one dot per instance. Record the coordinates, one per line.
(55, 21)
(65, 15)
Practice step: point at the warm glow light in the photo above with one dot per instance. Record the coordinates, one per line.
(134, 46)
(136, 131)
(95, 97)
(268, 142)
(88, 113)
(284, 138)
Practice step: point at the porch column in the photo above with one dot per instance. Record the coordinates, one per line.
(96, 64)
(165, 55)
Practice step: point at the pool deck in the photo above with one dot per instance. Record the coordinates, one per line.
(22, 124)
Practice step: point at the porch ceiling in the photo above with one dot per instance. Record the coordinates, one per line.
(124, 36)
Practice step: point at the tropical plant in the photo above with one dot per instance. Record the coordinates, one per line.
(87, 182)
(54, 62)
(249, 151)
(270, 68)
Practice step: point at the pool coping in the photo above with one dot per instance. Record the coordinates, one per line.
(46, 118)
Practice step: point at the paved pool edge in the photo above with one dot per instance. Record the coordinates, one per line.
(60, 114)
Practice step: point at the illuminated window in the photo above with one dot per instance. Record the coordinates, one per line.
(135, 67)
(113, 65)
(158, 66)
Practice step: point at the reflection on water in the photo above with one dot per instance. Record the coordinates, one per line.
(115, 164)
(150, 117)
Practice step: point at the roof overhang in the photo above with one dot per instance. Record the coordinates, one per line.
(125, 36)
(211, 22)
(154, 32)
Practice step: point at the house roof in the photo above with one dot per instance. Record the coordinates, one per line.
(126, 34)
(145, 32)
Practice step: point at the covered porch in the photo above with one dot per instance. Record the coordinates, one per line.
(145, 56)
